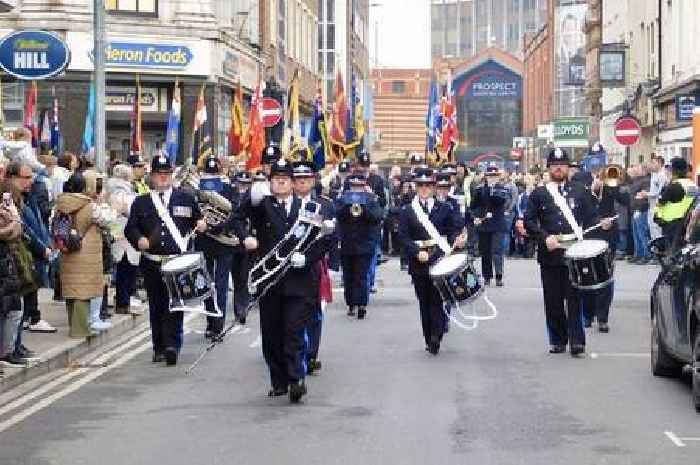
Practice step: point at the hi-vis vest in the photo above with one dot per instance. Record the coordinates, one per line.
(140, 187)
(672, 211)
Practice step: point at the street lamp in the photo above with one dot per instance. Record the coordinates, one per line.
(376, 35)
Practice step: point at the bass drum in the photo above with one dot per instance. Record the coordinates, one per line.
(456, 279)
(591, 264)
(189, 284)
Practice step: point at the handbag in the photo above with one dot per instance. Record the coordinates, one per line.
(10, 283)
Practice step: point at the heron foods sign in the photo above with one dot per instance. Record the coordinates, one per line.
(572, 132)
(33, 55)
(147, 55)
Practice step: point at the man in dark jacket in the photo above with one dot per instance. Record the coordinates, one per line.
(488, 209)
(359, 218)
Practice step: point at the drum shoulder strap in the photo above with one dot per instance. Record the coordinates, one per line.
(560, 202)
(429, 227)
(164, 215)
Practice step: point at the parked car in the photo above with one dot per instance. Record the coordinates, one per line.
(675, 305)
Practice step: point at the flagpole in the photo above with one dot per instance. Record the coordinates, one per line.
(190, 158)
(99, 34)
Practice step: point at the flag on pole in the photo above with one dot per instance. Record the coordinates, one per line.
(317, 142)
(56, 140)
(432, 117)
(237, 133)
(136, 135)
(256, 131)
(340, 112)
(292, 125)
(368, 108)
(450, 132)
(45, 137)
(89, 132)
(199, 136)
(172, 138)
(30, 121)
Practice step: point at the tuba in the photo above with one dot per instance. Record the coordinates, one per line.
(214, 207)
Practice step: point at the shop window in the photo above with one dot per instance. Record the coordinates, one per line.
(139, 7)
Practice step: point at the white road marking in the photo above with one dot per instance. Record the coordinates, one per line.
(43, 403)
(256, 343)
(595, 355)
(674, 439)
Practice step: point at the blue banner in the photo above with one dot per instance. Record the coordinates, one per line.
(33, 55)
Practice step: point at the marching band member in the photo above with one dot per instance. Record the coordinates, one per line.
(218, 256)
(271, 154)
(427, 230)
(358, 230)
(157, 224)
(240, 260)
(286, 307)
(487, 208)
(545, 219)
(304, 178)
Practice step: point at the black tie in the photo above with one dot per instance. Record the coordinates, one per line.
(162, 199)
(425, 206)
(561, 189)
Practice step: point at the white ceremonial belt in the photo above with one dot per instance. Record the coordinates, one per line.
(158, 258)
(428, 243)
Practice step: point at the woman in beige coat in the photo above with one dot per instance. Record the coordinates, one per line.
(82, 278)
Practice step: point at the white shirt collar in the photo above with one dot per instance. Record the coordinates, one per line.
(167, 195)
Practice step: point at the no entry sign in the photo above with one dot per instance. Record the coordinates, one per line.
(271, 113)
(627, 131)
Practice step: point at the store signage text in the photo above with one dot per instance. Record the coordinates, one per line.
(148, 55)
(33, 55)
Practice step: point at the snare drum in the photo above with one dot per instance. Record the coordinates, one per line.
(591, 264)
(456, 279)
(189, 284)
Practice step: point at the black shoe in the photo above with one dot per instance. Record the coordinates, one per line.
(361, 312)
(603, 327)
(578, 350)
(209, 334)
(241, 321)
(351, 310)
(499, 282)
(487, 282)
(277, 392)
(434, 348)
(12, 361)
(122, 310)
(313, 367)
(557, 349)
(171, 356)
(158, 357)
(296, 391)
(24, 352)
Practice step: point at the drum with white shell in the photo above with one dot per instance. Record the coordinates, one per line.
(591, 264)
(189, 284)
(456, 279)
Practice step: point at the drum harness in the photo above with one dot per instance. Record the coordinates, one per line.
(441, 242)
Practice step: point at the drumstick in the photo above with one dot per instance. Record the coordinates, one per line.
(599, 225)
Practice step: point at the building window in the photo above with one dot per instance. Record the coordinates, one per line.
(398, 87)
(142, 7)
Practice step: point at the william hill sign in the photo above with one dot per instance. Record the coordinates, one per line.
(33, 55)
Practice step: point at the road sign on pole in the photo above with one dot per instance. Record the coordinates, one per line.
(627, 131)
(271, 113)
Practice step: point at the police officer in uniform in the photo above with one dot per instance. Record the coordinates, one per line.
(422, 252)
(304, 178)
(138, 174)
(286, 307)
(147, 232)
(358, 229)
(487, 208)
(240, 259)
(270, 155)
(219, 256)
(544, 222)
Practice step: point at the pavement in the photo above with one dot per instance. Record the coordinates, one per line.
(492, 396)
(58, 350)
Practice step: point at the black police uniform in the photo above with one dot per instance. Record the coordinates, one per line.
(543, 218)
(240, 258)
(219, 256)
(166, 327)
(359, 236)
(287, 306)
(491, 200)
(430, 302)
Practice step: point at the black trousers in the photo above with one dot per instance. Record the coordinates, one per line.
(355, 278)
(562, 307)
(166, 327)
(283, 321)
(432, 316)
(240, 267)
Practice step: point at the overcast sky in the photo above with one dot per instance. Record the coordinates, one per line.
(404, 34)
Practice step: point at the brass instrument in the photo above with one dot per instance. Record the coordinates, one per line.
(613, 175)
(356, 210)
(214, 207)
(356, 200)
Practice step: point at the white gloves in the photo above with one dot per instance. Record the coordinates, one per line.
(258, 191)
(298, 260)
(327, 227)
